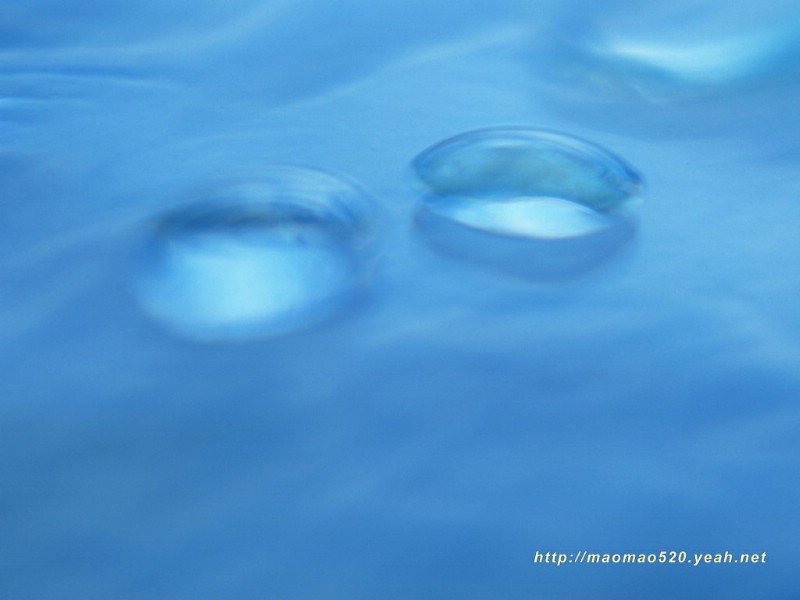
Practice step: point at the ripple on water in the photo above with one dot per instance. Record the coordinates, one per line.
(256, 259)
(532, 202)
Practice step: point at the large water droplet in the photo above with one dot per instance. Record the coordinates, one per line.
(256, 259)
(532, 202)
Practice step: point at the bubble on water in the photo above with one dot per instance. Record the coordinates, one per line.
(532, 202)
(256, 259)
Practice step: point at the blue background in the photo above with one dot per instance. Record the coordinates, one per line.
(428, 442)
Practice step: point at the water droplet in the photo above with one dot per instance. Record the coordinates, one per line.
(256, 259)
(674, 70)
(533, 202)
(681, 49)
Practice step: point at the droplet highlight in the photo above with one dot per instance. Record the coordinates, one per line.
(533, 202)
(256, 259)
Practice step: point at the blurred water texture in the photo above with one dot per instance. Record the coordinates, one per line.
(434, 420)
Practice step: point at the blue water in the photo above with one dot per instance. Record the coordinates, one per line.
(334, 387)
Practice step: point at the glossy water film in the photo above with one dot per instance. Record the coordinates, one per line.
(256, 259)
(532, 202)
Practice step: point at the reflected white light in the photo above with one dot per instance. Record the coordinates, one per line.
(538, 217)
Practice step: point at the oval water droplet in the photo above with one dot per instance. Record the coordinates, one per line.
(532, 202)
(256, 259)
